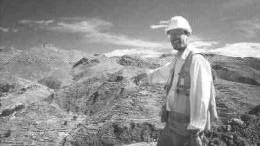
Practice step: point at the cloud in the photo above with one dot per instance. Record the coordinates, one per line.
(25, 21)
(234, 4)
(242, 49)
(4, 29)
(83, 27)
(124, 40)
(199, 45)
(2, 47)
(74, 19)
(158, 26)
(203, 46)
(44, 22)
(251, 28)
(92, 21)
(36, 22)
(91, 26)
(228, 18)
(162, 24)
(93, 29)
(15, 30)
(68, 24)
(145, 53)
(8, 29)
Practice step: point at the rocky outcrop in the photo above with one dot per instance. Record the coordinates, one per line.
(135, 61)
(255, 111)
(11, 110)
(85, 61)
(51, 82)
(235, 74)
(28, 117)
(237, 131)
(5, 88)
(114, 133)
(96, 70)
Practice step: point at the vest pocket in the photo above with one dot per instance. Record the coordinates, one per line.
(184, 81)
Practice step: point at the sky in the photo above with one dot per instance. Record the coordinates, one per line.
(128, 26)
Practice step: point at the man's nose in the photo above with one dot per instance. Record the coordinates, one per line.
(175, 39)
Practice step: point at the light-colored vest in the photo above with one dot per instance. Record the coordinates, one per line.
(178, 119)
(181, 100)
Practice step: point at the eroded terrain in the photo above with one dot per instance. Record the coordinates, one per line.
(101, 101)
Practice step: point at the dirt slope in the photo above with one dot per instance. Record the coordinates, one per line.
(105, 105)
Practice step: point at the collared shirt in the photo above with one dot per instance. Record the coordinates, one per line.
(201, 90)
(164, 73)
(180, 59)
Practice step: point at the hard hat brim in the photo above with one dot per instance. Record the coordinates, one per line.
(171, 28)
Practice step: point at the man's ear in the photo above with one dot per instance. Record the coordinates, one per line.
(189, 36)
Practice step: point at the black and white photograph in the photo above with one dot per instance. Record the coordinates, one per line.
(129, 72)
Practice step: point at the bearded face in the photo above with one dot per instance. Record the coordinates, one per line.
(178, 39)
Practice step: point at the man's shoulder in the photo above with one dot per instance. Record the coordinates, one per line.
(201, 58)
(198, 56)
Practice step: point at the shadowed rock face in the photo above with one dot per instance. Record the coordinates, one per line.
(242, 70)
(10, 111)
(248, 81)
(218, 67)
(253, 62)
(255, 111)
(86, 61)
(5, 87)
(234, 76)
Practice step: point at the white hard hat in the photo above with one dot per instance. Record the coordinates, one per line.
(178, 22)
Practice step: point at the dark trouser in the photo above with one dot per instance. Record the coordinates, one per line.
(176, 134)
(172, 139)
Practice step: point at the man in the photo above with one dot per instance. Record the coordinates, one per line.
(190, 102)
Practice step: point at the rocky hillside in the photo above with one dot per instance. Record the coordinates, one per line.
(106, 103)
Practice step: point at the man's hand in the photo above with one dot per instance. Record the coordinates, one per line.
(143, 75)
(146, 69)
(139, 77)
(218, 122)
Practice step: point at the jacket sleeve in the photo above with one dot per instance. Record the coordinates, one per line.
(161, 74)
(200, 92)
(212, 104)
